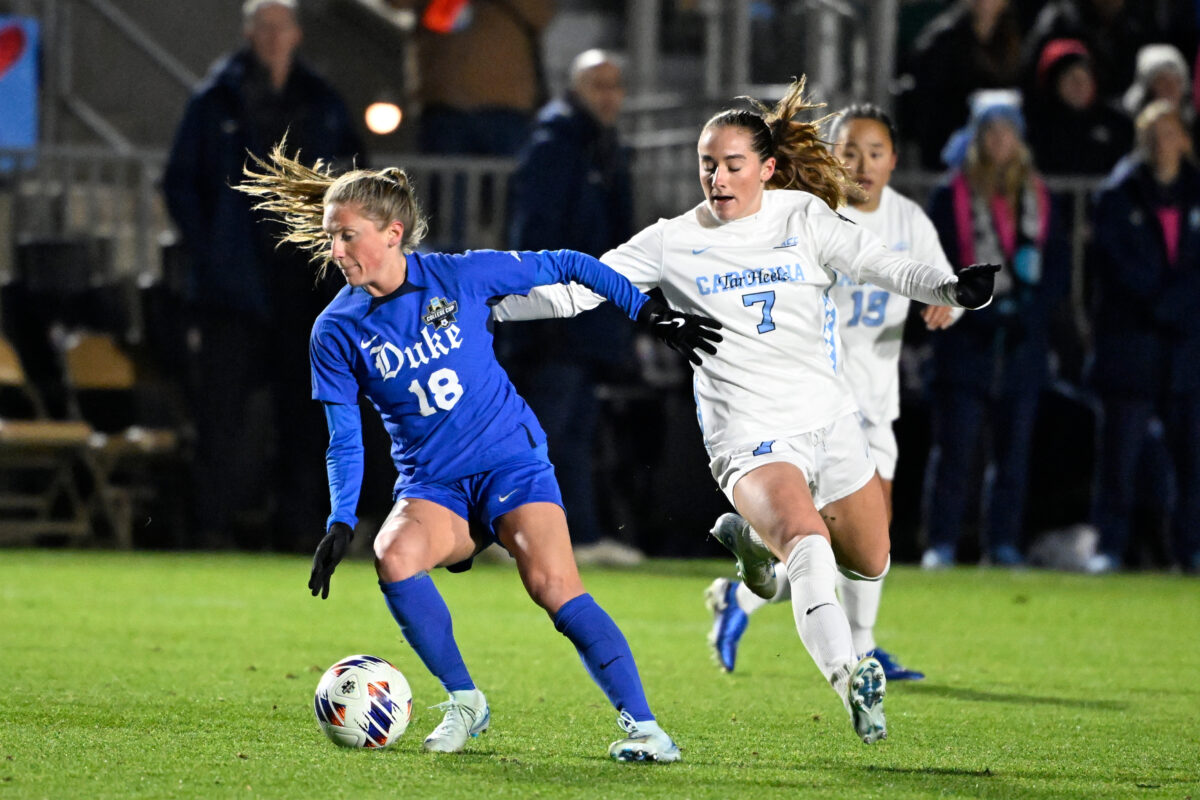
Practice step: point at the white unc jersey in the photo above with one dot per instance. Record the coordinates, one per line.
(872, 319)
(768, 279)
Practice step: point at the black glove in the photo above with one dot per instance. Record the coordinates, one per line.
(975, 284)
(683, 333)
(329, 553)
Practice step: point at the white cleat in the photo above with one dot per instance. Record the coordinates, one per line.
(863, 698)
(646, 742)
(755, 563)
(467, 715)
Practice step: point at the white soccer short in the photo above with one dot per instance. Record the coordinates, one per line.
(884, 450)
(836, 460)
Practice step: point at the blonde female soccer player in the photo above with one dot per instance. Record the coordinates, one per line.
(410, 332)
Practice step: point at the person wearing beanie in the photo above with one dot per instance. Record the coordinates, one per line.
(1073, 131)
(989, 368)
(1162, 74)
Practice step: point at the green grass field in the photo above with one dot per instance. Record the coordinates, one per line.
(161, 676)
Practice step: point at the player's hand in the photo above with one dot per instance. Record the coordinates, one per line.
(937, 317)
(330, 552)
(683, 333)
(975, 284)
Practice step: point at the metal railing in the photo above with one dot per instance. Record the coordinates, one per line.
(92, 192)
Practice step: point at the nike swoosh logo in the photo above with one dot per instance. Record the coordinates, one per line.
(504, 497)
(608, 663)
(365, 344)
(698, 250)
(781, 247)
(678, 322)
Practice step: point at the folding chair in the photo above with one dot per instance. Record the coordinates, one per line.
(40, 494)
(104, 391)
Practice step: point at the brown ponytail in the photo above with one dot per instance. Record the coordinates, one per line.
(803, 159)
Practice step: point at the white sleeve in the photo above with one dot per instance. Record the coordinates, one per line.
(555, 301)
(927, 247)
(639, 260)
(854, 251)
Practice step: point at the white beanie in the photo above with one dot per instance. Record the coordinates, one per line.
(1151, 60)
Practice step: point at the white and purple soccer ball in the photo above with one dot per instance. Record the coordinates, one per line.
(363, 701)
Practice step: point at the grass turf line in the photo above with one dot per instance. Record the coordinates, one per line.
(181, 676)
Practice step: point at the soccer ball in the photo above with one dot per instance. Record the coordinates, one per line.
(363, 701)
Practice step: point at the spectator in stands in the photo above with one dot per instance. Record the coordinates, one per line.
(481, 81)
(975, 44)
(990, 368)
(481, 74)
(1109, 29)
(250, 302)
(572, 190)
(1147, 342)
(1073, 131)
(1162, 74)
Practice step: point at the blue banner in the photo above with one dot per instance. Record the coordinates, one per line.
(18, 83)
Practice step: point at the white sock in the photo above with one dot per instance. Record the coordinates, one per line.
(860, 599)
(747, 600)
(820, 621)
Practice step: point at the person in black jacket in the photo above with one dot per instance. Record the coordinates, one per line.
(1072, 130)
(572, 189)
(249, 302)
(1146, 230)
(972, 45)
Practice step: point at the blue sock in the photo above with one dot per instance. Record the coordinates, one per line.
(605, 654)
(425, 622)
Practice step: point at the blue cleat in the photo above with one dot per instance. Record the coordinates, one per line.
(729, 621)
(892, 670)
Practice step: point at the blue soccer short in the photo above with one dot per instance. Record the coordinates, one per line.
(483, 498)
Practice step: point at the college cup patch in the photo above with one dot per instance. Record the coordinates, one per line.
(440, 313)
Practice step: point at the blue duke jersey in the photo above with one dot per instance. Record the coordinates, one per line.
(768, 278)
(871, 318)
(423, 357)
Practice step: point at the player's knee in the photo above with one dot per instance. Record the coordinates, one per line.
(394, 561)
(792, 537)
(551, 588)
(869, 567)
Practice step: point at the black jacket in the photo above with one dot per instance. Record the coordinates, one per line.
(1147, 323)
(231, 250)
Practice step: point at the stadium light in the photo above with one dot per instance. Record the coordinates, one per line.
(383, 118)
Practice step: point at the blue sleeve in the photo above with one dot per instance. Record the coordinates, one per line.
(329, 352)
(344, 462)
(565, 266)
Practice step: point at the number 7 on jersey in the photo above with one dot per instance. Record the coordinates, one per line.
(768, 301)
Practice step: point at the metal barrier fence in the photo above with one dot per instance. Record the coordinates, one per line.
(82, 192)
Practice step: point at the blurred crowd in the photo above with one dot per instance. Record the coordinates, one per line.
(1104, 361)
